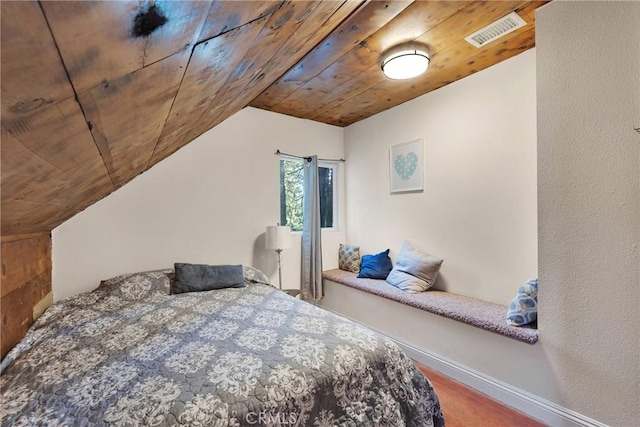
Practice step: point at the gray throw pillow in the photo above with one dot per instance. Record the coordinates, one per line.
(415, 271)
(202, 277)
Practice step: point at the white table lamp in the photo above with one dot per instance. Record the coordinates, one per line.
(278, 238)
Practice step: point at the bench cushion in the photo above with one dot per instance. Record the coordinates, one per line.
(482, 314)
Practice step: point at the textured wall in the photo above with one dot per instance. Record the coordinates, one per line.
(588, 75)
(478, 208)
(208, 203)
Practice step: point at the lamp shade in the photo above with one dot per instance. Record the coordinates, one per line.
(278, 237)
(405, 64)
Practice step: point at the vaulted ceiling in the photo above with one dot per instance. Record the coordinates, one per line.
(94, 93)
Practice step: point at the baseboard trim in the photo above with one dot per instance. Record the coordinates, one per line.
(541, 409)
(534, 406)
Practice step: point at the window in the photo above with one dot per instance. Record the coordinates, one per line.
(291, 193)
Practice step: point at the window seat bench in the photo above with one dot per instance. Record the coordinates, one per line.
(482, 314)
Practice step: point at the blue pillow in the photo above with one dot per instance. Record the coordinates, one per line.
(523, 308)
(376, 266)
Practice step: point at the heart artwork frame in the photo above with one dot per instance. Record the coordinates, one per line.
(406, 167)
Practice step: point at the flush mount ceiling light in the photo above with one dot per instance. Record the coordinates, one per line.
(405, 63)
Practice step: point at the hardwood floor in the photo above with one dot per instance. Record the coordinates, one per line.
(464, 407)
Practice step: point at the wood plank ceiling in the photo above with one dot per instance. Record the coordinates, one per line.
(87, 104)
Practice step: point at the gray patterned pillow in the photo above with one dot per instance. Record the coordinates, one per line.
(349, 258)
(523, 308)
(253, 275)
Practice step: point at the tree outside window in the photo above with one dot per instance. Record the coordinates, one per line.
(292, 193)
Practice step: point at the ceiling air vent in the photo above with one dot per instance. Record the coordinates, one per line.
(495, 30)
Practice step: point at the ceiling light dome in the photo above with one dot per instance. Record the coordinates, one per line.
(405, 64)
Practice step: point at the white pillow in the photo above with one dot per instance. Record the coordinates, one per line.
(415, 271)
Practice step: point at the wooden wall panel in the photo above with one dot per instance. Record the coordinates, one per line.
(96, 37)
(25, 282)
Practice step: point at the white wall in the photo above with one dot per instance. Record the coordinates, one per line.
(478, 209)
(589, 204)
(208, 203)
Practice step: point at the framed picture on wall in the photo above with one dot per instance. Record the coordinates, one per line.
(406, 167)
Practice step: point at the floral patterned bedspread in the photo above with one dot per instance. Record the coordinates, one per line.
(129, 353)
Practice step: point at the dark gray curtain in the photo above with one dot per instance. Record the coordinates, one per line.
(311, 280)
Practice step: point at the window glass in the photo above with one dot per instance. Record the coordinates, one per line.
(292, 193)
(325, 178)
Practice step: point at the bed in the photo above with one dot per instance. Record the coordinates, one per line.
(128, 353)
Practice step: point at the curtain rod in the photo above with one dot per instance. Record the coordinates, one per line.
(308, 159)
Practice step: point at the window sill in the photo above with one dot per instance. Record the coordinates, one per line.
(323, 230)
